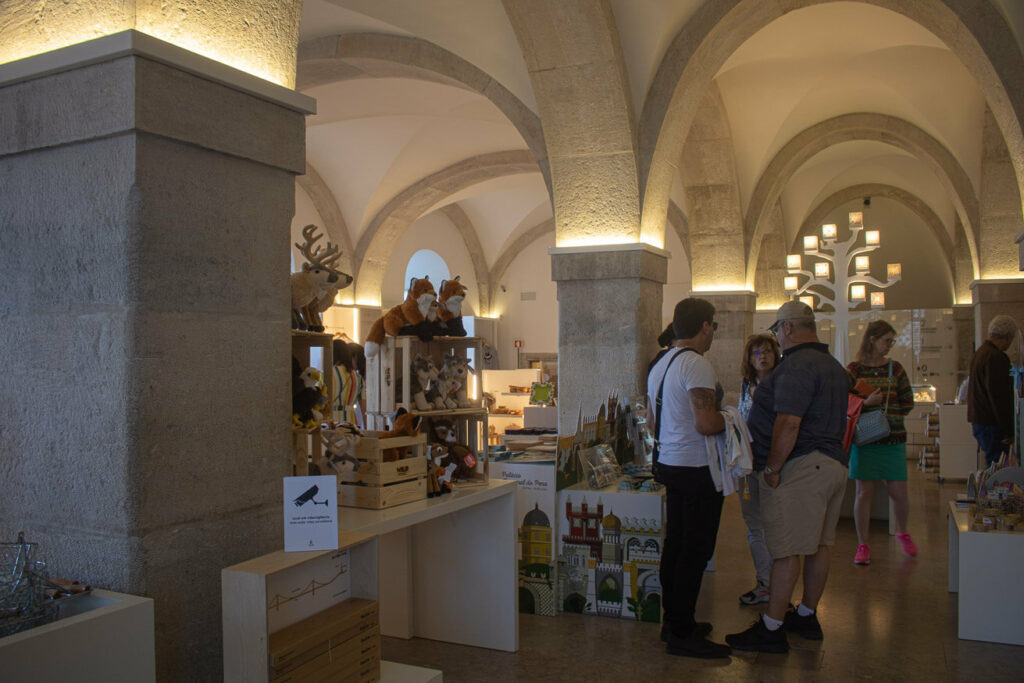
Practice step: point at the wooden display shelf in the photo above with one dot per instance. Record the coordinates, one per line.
(380, 483)
(307, 447)
(270, 604)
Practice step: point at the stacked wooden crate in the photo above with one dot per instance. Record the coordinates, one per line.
(380, 483)
(341, 643)
(383, 396)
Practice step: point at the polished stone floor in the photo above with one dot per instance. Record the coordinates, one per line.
(893, 620)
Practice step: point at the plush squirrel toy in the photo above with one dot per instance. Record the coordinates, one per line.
(404, 424)
(409, 317)
(453, 293)
(444, 443)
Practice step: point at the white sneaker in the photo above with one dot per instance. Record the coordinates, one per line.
(757, 595)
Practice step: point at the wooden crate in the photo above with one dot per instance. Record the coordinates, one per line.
(380, 497)
(307, 447)
(380, 484)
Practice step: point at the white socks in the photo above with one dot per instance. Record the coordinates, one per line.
(771, 624)
(803, 610)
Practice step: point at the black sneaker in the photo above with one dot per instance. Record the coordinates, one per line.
(806, 627)
(758, 638)
(701, 628)
(695, 645)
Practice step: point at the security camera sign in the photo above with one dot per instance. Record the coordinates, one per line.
(310, 513)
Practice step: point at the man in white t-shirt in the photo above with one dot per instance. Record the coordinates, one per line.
(688, 413)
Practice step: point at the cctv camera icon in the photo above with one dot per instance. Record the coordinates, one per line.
(308, 496)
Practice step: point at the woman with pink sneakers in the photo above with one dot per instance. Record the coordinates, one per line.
(886, 459)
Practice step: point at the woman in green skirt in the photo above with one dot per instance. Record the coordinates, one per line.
(886, 459)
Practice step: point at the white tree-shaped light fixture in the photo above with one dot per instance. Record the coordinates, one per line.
(832, 282)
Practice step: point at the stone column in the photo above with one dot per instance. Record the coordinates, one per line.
(963, 330)
(734, 313)
(609, 319)
(992, 297)
(144, 401)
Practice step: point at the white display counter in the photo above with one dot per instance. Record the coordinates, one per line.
(984, 568)
(108, 638)
(447, 567)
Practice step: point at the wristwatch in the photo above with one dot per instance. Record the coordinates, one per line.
(768, 470)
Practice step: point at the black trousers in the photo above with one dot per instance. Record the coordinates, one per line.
(693, 509)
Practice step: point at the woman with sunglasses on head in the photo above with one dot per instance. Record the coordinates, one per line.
(760, 356)
(885, 459)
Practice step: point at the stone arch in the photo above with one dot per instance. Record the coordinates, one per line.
(975, 32)
(375, 245)
(378, 55)
(465, 227)
(898, 194)
(677, 219)
(578, 74)
(862, 126)
(327, 206)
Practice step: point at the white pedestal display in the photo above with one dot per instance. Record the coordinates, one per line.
(984, 568)
(110, 639)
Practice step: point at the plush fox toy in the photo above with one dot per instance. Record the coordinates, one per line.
(405, 424)
(453, 293)
(411, 314)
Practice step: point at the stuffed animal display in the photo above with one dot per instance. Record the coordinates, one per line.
(454, 380)
(316, 285)
(444, 441)
(403, 424)
(451, 295)
(409, 317)
(339, 451)
(308, 399)
(424, 390)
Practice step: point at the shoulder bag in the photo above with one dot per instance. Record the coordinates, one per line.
(874, 426)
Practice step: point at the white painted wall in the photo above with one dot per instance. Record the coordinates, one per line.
(535, 321)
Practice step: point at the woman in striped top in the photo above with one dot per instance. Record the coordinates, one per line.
(884, 460)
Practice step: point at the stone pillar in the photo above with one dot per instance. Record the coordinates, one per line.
(963, 331)
(992, 297)
(1000, 204)
(734, 313)
(144, 401)
(609, 319)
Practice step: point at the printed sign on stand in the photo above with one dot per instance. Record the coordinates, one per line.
(310, 513)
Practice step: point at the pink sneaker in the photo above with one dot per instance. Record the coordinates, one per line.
(863, 555)
(909, 547)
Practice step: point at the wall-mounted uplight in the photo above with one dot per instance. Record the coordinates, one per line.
(856, 219)
(861, 264)
(807, 300)
(857, 292)
(810, 244)
(877, 299)
(790, 283)
(829, 231)
(793, 262)
(821, 269)
(895, 271)
(872, 238)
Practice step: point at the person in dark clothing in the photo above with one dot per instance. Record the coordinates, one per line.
(990, 390)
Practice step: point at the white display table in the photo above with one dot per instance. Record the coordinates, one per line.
(984, 567)
(447, 566)
(109, 638)
(958, 451)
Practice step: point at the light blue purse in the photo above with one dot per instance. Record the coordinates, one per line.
(874, 426)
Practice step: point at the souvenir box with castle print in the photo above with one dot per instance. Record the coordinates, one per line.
(535, 517)
(609, 551)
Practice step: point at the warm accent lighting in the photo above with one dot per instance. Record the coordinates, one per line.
(789, 283)
(895, 271)
(877, 299)
(808, 300)
(793, 262)
(857, 292)
(810, 243)
(856, 219)
(258, 38)
(862, 264)
(872, 238)
(828, 231)
(821, 269)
